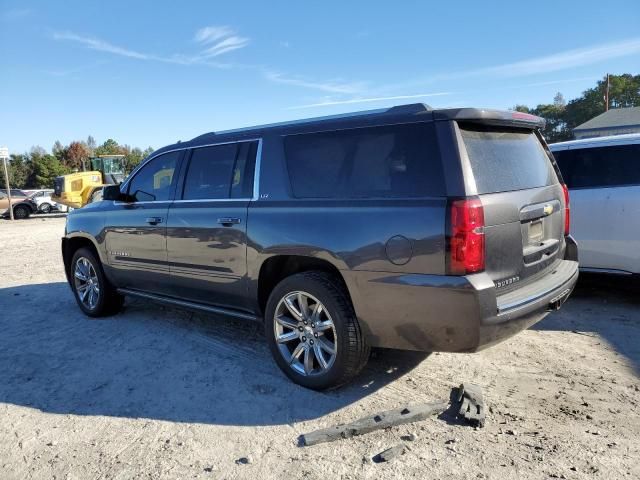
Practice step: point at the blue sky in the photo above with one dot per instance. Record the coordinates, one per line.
(151, 73)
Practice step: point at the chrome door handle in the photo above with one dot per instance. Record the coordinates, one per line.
(228, 221)
(154, 220)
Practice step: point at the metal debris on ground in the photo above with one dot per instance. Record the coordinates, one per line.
(389, 454)
(390, 418)
(472, 407)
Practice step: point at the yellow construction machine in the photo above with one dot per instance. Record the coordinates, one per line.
(75, 189)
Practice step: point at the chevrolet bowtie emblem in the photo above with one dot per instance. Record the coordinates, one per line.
(548, 209)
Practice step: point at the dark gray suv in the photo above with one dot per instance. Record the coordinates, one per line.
(407, 228)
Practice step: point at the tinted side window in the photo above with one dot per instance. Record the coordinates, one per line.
(600, 167)
(155, 180)
(221, 171)
(388, 161)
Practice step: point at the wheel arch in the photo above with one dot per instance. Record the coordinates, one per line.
(71, 244)
(278, 267)
(23, 205)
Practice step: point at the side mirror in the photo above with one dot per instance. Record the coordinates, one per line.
(112, 192)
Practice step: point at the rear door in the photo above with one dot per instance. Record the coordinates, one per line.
(522, 198)
(605, 204)
(207, 225)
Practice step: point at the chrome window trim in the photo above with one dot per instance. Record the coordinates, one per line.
(256, 172)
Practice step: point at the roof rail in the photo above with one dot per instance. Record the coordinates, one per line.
(408, 109)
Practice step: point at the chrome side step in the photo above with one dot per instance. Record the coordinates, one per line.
(188, 305)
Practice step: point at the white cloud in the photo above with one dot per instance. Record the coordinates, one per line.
(227, 45)
(219, 40)
(215, 41)
(565, 60)
(212, 33)
(328, 86)
(556, 62)
(102, 46)
(328, 103)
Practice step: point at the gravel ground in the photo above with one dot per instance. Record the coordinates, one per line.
(156, 392)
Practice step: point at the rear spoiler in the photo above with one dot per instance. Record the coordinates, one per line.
(490, 117)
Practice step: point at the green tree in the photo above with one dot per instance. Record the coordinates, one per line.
(109, 147)
(624, 91)
(18, 167)
(132, 159)
(555, 129)
(45, 169)
(59, 151)
(522, 109)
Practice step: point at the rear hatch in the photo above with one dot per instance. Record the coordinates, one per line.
(523, 202)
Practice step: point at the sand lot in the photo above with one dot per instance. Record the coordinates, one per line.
(156, 392)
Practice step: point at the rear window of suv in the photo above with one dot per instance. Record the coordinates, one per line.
(389, 161)
(506, 160)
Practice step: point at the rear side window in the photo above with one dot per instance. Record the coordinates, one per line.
(600, 167)
(221, 172)
(506, 160)
(389, 161)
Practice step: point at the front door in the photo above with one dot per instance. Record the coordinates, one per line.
(207, 225)
(135, 230)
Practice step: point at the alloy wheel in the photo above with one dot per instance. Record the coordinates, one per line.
(86, 283)
(305, 333)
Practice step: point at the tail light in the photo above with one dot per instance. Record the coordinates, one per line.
(466, 241)
(567, 210)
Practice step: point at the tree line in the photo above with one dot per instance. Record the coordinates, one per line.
(38, 168)
(562, 117)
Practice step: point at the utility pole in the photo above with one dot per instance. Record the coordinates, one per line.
(606, 96)
(4, 155)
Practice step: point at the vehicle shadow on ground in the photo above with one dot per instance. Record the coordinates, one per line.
(603, 306)
(160, 363)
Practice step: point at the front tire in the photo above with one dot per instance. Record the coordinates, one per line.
(313, 332)
(21, 212)
(95, 296)
(45, 208)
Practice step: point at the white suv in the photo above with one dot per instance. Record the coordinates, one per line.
(603, 175)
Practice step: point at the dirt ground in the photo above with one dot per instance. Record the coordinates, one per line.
(156, 392)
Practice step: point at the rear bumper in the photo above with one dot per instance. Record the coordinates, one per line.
(452, 314)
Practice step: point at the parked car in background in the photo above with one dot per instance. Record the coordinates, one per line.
(15, 192)
(406, 228)
(603, 175)
(22, 207)
(42, 198)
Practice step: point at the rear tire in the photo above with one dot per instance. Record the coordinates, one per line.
(21, 212)
(308, 316)
(95, 296)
